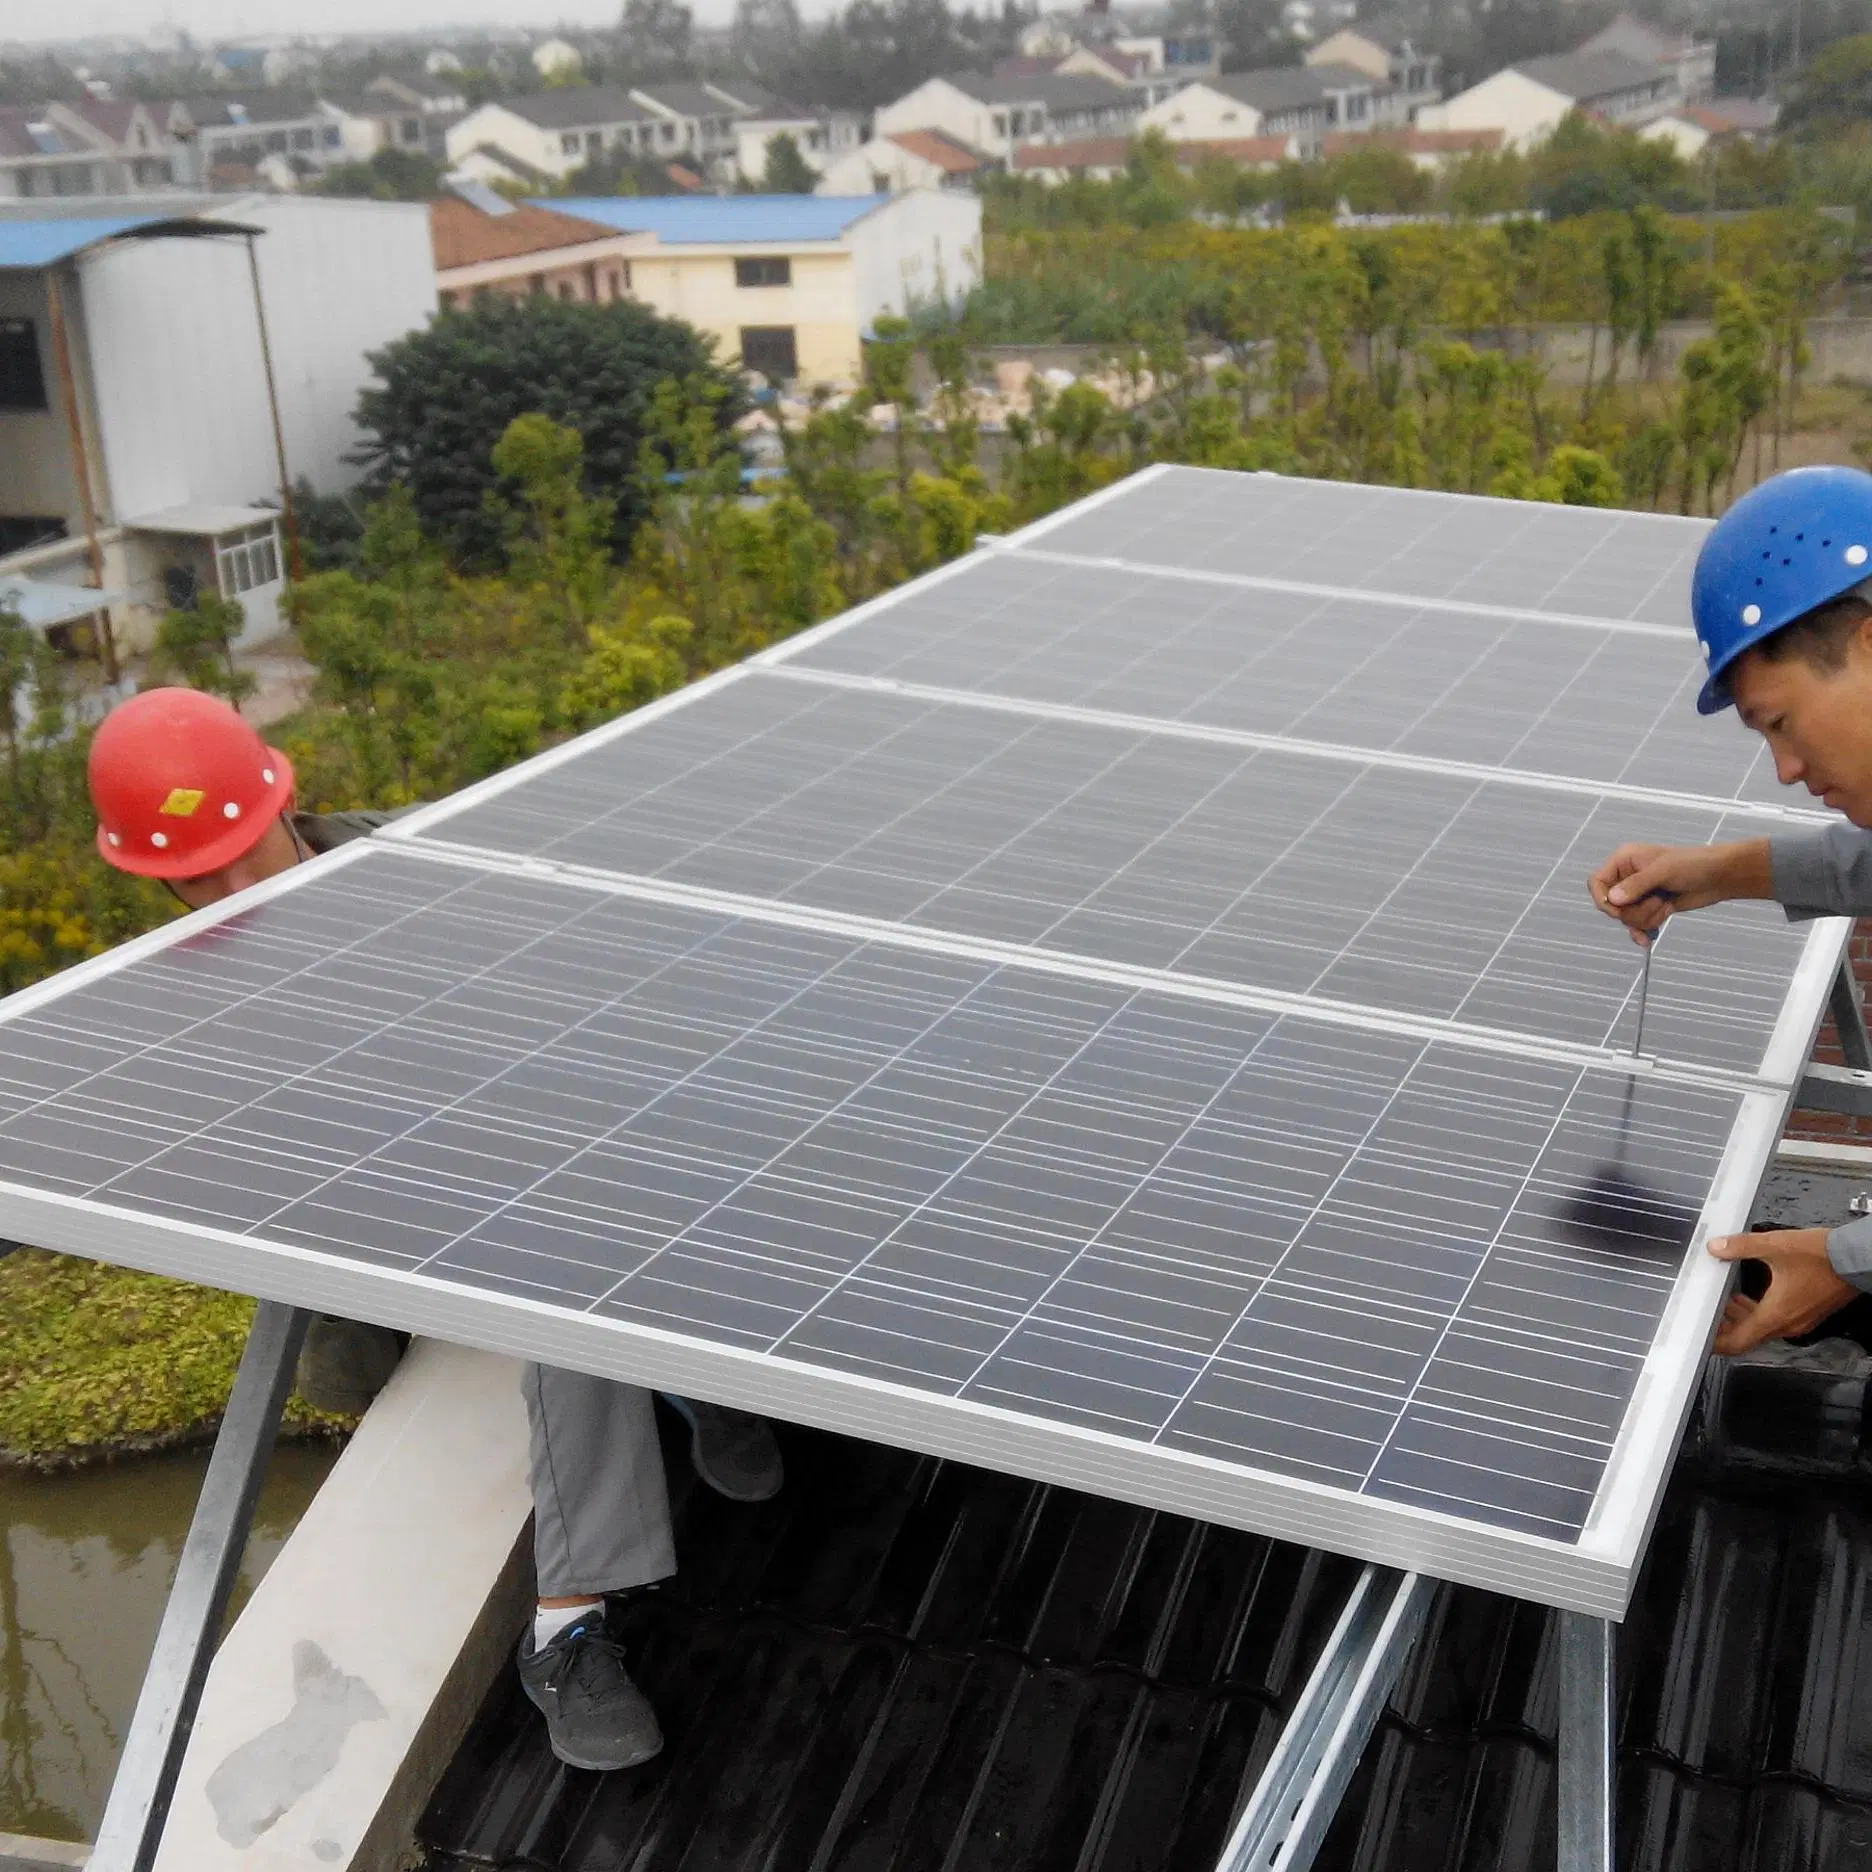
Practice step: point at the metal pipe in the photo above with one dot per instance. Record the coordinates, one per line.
(1586, 1743)
(81, 462)
(1287, 1816)
(138, 1807)
(295, 560)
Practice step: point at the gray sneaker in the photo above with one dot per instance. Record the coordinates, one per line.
(595, 1716)
(735, 1454)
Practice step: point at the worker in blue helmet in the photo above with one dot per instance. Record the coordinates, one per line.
(1782, 600)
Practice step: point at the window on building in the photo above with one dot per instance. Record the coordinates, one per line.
(1355, 107)
(765, 270)
(276, 142)
(568, 289)
(302, 139)
(244, 560)
(591, 281)
(668, 131)
(569, 143)
(22, 381)
(594, 141)
(770, 349)
(412, 130)
(1000, 123)
(332, 135)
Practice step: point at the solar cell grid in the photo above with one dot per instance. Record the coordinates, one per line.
(1413, 893)
(1613, 707)
(890, 1052)
(1583, 561)
(1083, 1202)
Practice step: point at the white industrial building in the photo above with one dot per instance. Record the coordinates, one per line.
(138, 457)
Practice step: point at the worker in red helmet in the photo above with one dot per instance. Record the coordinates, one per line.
(187, 792)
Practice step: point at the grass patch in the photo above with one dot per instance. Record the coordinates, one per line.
(102, 1362)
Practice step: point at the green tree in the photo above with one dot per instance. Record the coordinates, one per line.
(389, 175)
(445, 395)
(786, 171)
(1833, 95)
(195, 645)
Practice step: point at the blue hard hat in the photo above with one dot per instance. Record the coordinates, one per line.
(1791, 544)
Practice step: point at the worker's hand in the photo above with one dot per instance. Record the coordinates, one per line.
(1802, 1287)
(1642, 885)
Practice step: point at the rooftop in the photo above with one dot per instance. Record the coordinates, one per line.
(1280, 88)
(684, 99)
(937, 146)
(1059, 91)
(725, 219)
(1085, 153)
(575, 106)
(1584, 76)
(250, 107)
(464, 235)
(905, 1665)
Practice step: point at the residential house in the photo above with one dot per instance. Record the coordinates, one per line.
(486, 244)
(254, 65)
(227, 136)
(1099, 159)
(1691, 128)
(997, 115)
(369, 121)
(175, 486)
(91, 147)
(1302, 101)
(908, 159)
(433, 94)
(695, 122)
(822, 137)
(792, 284)
(1691, 58)
(1388, 58)
(555, 132)
(1527, 102)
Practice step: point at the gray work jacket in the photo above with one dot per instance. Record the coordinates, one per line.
(1828, 872)
(325, 832)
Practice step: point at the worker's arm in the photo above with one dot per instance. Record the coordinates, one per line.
(1825, 871)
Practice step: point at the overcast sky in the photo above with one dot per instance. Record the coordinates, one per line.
(209, 19)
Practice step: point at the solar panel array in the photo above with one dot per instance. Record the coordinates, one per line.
(972, 1025)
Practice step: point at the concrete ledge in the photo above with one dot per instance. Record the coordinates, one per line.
(345, 1685)
(21, 1853)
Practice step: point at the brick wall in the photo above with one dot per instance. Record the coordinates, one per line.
(1834, 1125)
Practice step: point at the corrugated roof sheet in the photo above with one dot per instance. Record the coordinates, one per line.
(42, 243)
(724, 219)
(903, 1665)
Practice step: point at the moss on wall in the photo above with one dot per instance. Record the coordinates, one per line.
(98, 1362)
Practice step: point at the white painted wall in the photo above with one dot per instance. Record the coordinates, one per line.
(176, 365)
(917, 247)
(35, 451)
(508, 130)
(937, 105)
(1198, 114)
(1520, 109)
(857, 171)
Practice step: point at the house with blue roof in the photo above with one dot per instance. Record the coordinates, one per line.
(790, 285)
(138, 459)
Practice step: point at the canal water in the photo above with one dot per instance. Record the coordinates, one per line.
(85, 1566)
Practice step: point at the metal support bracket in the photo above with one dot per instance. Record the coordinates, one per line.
(1835, 1089)
(1587, 1763)
(138, 1807)
(1293, 1803)
(1847, 1006)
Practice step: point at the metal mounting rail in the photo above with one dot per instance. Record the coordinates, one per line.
(1847, 1006)
(1293, 1803)
(138, 1807)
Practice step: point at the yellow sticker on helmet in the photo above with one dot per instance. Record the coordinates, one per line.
(182, 802)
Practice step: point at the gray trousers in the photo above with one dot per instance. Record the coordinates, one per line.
(601, 1519)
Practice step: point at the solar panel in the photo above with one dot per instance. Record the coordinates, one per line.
(1605, 704)
(1412, 892)
(423, 1089)
(1581, 561)
(1140, 1030)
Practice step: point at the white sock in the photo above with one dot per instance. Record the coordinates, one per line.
(550, 1621)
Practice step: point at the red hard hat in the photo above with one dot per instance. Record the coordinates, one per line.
(182, 785)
